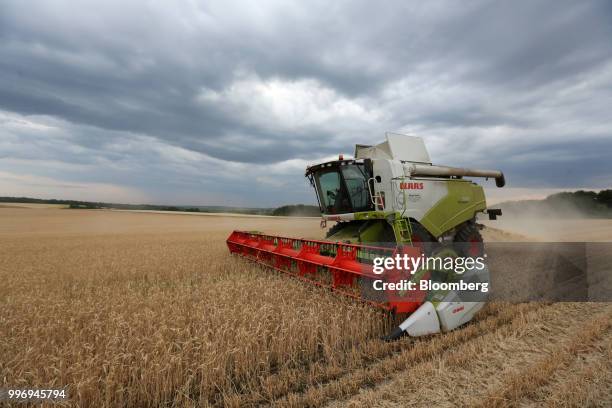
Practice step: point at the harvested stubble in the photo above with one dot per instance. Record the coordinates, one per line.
(509, 365)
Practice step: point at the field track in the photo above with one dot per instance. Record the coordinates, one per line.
(136, 309)
(518, 360)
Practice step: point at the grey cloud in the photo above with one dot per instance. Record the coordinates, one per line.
(565, 164)
(118, 72)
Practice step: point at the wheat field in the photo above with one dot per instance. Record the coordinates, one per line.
(150, 310)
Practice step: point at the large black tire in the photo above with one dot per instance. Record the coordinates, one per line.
(422, 238)
(468, 241)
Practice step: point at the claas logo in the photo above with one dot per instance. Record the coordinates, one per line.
(411, 186)
(459, 309)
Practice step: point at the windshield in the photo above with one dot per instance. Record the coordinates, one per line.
(357, 186)
(343, 189)
(332, 193)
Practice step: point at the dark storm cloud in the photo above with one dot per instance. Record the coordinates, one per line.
(266, 83)
(572, 163)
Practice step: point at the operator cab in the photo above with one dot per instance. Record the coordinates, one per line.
(342, 186)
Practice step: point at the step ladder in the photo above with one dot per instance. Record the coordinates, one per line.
(402, 230)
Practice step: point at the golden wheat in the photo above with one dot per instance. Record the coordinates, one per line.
(151, 310)
(160, 319)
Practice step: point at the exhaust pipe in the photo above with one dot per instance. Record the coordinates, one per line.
(428, 170)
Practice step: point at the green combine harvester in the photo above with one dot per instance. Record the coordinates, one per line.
(390, 196)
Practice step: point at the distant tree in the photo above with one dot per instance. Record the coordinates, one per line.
(604, 197)
(571, 204)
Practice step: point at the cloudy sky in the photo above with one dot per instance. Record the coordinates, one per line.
(221, 103)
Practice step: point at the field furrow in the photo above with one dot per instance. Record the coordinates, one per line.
(524, 383)
(586, 382)
(320, 372)
(421, 350)
(474, 372)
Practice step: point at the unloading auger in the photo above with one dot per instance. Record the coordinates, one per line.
(388, 201)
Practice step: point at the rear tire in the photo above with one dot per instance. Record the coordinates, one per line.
(468, 241)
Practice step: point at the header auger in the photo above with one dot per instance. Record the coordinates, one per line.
(389, 200)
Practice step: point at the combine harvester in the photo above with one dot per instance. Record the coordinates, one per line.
(388, 201)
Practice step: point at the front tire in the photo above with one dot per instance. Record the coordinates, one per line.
(421, 238)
